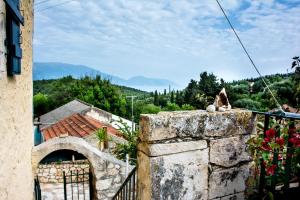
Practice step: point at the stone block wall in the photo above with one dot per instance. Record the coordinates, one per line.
(16, 127)
(53, 172)
(194, 155)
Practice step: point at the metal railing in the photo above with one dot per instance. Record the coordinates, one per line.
(127, 190)
(37, 189)
(283, 159)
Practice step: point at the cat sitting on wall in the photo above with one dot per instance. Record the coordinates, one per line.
(221, 103)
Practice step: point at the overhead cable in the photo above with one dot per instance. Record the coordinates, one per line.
(248, 55)
(53, 6)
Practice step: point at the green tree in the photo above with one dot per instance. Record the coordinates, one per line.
(163, 100)
(179, 99)
(156, 98)
(172, 99)
(41, 104)
(190, 92)
(208, 84)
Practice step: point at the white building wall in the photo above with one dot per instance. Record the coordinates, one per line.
(16, 127)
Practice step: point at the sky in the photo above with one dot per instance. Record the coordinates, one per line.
(169, 39)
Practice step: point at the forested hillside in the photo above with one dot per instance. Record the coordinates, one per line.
(50, 94)
(250, 94)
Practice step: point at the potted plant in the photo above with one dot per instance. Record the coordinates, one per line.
(101, 135)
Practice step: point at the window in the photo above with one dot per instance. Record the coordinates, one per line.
(13, 36)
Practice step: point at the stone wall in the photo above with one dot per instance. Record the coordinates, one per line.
(53, 172)
(108, 172)
(16, 127)
(194, 155)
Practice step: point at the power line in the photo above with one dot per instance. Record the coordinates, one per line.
(41, 2)
(50, 7)
(248, 55)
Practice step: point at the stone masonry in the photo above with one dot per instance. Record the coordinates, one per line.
(194, 155)
(108, 172)
(53, 172)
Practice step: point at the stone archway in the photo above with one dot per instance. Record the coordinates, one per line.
(108, 172)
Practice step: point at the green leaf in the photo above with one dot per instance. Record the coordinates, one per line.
(265, 155)
(271, 196)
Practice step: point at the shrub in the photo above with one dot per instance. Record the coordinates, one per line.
(247, 103)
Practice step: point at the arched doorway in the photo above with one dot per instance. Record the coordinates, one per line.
(65, 174)
(108, 173)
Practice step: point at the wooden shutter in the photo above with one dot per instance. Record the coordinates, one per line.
(13, 42)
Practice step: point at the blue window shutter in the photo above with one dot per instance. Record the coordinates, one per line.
(14, 51)
(13, 7)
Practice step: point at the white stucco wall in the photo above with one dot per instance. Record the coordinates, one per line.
(116, 124)
(16, 130)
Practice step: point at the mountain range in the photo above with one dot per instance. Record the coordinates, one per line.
(54, 70)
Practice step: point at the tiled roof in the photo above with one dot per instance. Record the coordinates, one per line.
(63, 111)
(76, 125)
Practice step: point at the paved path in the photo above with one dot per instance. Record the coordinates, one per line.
(55, 191)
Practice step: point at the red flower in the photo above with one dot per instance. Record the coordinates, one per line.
(292, 130)
(295, 140)
(280, 141)
(265, 146)
(271, 170)
(267, 139)
(270, 133)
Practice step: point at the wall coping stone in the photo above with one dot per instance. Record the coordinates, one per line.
(197, 124)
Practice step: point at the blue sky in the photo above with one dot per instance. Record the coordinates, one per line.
(171, 39)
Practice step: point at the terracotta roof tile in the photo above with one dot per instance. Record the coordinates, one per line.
(77, 125)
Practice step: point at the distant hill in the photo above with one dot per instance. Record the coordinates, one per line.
(52, 70)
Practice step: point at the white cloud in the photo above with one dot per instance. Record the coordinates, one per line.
(169, 39)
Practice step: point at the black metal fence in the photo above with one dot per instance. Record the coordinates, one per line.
(282, 179)
(78, 185)
(127, 190)
(37, 189)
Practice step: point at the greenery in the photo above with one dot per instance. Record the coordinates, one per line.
(50, 94)
(130, 147)
(271, 150)
(101, 135)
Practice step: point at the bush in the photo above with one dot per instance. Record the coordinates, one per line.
(171, 107)
(187, 107)
(150, 109)
(247, 103)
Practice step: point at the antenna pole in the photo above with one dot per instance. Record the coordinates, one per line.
(132, 116)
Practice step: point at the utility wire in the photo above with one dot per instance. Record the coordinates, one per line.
(248, 55)
(50, 7)
(41, 2)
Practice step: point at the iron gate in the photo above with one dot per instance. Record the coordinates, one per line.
(78, 185)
